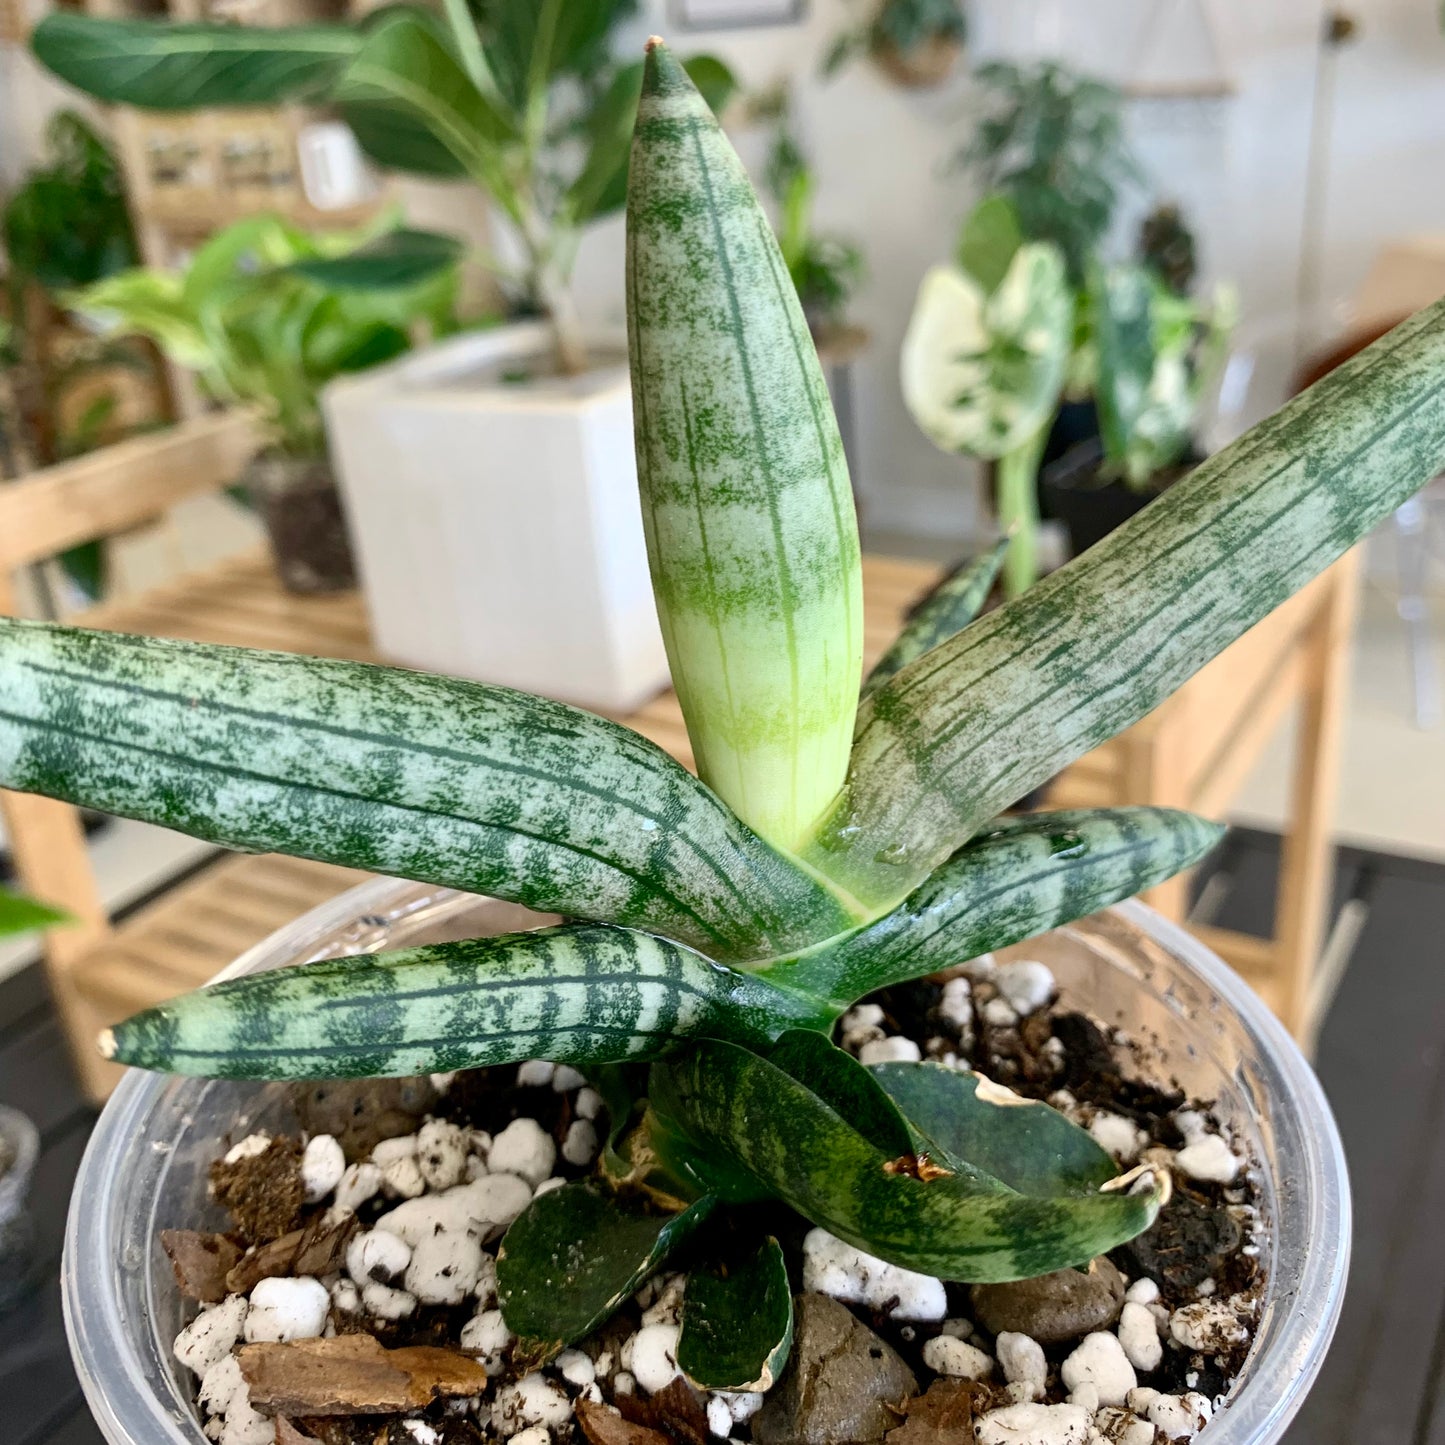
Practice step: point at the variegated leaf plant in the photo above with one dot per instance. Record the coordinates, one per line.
(718, 926)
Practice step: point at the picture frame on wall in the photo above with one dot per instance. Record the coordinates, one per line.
(736, 14)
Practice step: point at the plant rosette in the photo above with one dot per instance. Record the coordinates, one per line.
(1258, 1200)
(842, 841)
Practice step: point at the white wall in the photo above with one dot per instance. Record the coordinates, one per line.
(1239, 168)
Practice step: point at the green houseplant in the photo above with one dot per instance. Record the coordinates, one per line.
(266, 314)
(721, 925)
(915, 42)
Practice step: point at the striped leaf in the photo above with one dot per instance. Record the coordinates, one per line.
(953, 1225)
(949, 608)
(746, 501)
(1018, 695)
(1024, 877)
(397, 772)
(162, 66)
(581, 993)
(1029, 1146)
(574, 1255)
(737, 1323)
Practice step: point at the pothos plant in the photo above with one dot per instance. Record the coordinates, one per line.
(717, 926)
(266, 313)
(519, 96)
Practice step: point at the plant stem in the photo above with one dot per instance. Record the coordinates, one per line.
(556, 301)
(1018, 513)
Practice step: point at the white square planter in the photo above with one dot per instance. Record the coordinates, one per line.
(497, 526)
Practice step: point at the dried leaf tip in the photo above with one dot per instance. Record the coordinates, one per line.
(653, 41)
(105, 1042)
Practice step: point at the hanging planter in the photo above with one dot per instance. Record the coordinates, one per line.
(916, 43)
(923, 65)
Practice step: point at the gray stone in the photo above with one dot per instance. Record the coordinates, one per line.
(1065, 1305)
(839, 1383)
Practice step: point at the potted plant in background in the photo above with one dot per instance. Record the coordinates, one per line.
(984, 362)
(720, 926)
(457, 463)
(1155, 357)
(259, 329)
(916, 43)
(66, 225)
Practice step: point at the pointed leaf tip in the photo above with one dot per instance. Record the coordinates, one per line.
(663, 73)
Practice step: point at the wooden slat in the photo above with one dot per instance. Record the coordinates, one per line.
(120, 486)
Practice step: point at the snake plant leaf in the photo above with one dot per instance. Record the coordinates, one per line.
(601, 184)
(737, 1325)
(1025, 876)
(1019, 694)
(21, 915)
(745, 494)
(580, 993)
(949, 608)
(574, 1255)
(164, 66)
(1029, 1146)
(397, 772)
(990, 239)
(982, 372)
(394, 261)
(961, 1226)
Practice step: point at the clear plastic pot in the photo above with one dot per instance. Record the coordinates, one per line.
(145, 1169)
(19, 1149)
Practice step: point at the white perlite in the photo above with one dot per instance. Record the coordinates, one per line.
(486, 1336)
(219, 1385)
(1118, 1136)
(955, 1003)
(1022, 1360)
(945, 1355)
(444, 1268)
(893, 1050)
(587, 1104)
(1139, 1336)
(441, 1153)
(1000, 1013)
(523, 1148)
(834, 1268)
(212, 1334)
(580, 1145)
(1027, 984)
(388, 1151)
(1122, 1427)
(1179, 1417)
(423, 1432)
(322, 1165)
(387, 1303)
(245, 1426)
(359, 1183)
(565, 1079)
(287, 1309)
(532, 1400)
(1211, 1159)
(402, 1178)
(535, 1074)
(1142, 1292)
(1034, 1425)
(651, 1356)
(377, 1256)
(575, 1367)
(1211, 1326)
(248, 1148)
(533, 1435)
(1100, 1361)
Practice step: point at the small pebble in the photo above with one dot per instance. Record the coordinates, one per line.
(955, 1003)
(1211, 1327)
(535, 1074)
(403, 1146)
(893, 1050)
(653, 1356)
(945, 1355)
(387, 1303)
(287, 1309)
(1179, 1417)
(402, 1178)
(834, 1268)
(322, 1165)
(532, 1400)
(580, 1145)
(1209, 1159)
(1117, 1135)
(219, 1385)
(444, 1268)
(212, 1334)
(359, 1183)
(441, 1153)
(587, 1104)
(565, 1079)
(1027, 984)
(1100, 1361)
(377, 1256)
(1023, 1362)
(1034, 1425)
(1000, 1013)
(1139, 1336)
(248, 1148)
(1142, 1292)
(523, 1148)
(575, 1367)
